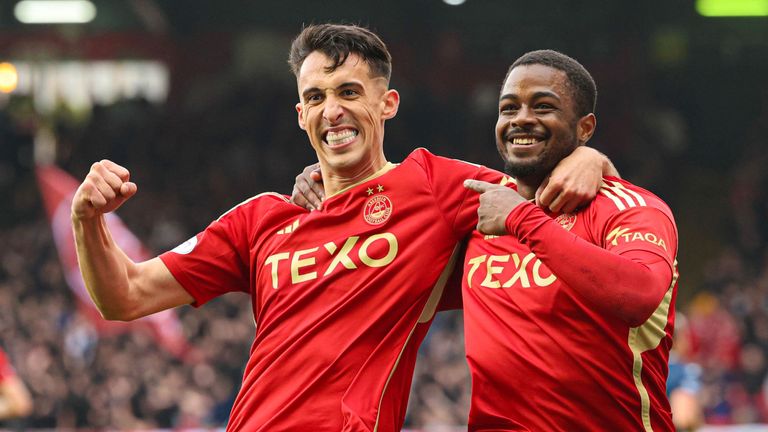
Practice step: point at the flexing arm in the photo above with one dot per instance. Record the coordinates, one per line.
(637, 279)
(14, 398)
(575, 180)
(121, 289)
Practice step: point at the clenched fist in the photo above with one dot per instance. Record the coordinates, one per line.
(496, 202)
(106, 187)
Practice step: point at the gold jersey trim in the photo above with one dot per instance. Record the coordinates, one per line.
(426, 314)
(646, 337)
(251, 199)
(507, 180)
(385, 169)
(290, 228)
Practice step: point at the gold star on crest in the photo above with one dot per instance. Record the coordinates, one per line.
(380, 188)
(370, 191)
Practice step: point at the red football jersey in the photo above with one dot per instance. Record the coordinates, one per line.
(540, 357)
(341, 297)
(6, 370)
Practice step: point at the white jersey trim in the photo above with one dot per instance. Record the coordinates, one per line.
(251, 199)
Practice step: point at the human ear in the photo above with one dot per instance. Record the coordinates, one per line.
(391, 103)
(299, 108)
(585, 128)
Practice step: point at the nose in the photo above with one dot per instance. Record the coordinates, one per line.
(523, 117)
(333, 112)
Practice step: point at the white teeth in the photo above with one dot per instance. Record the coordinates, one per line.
(340, 137)
(524, 141)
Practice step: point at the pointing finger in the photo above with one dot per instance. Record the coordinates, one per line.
(478, 185)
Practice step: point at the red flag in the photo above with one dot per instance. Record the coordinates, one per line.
(58, 188)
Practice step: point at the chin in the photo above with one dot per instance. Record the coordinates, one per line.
(519, 168)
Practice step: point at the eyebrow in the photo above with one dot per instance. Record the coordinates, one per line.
(342, 86)
(349, 84)
(537, 95)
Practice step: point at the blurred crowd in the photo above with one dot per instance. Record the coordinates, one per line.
(195, 158)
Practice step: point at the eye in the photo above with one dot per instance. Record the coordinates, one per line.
(543, 106)
(349, 93)
(508, 109)
(314, 98)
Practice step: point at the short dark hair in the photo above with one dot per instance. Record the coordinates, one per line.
(579, 79)
(338, 41)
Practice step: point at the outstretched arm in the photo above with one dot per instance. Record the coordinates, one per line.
(120, 288)
(575, 180)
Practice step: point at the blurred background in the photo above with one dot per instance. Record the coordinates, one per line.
(197, 100)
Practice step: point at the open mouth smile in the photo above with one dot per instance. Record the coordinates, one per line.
(336, 138)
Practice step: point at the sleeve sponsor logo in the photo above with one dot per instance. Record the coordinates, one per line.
(624, 235)
(304, 265)
(500, 272)
(186, 247)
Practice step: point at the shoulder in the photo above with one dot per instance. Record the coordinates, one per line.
(617, 195)
(453, 170)
(257, 204)
(424, 156)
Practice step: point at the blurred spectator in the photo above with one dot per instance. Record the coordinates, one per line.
(684, 381)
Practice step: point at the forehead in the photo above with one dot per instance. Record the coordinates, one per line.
(528, 79)
(314, 71)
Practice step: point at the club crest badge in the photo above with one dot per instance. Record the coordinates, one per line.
(377, 210)
(566, 220)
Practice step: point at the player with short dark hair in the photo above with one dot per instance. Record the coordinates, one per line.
(337, 42)
(569, 317)
(579, 80)
(343, 296)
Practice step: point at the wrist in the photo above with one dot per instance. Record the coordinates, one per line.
(516, 215)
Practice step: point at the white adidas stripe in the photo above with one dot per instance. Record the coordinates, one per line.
(621, 196)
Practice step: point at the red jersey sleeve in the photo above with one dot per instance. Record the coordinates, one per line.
(644, 228)
(446, 179)
(627, 281)
(216, 261)
(6, 370)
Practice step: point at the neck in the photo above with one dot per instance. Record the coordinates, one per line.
(335, 181)
(527, 186)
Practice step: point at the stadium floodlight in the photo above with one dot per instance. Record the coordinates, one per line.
(454, 2)
(55, 11)
(9, 77)
(732, 8)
